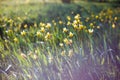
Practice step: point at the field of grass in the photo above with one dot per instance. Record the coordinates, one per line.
(56, 41)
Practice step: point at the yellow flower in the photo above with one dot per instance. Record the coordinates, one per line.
(65, 30)
(70, 54)
(25, 26)
(9, 31)
(35, 25)
(75, 26)
(6, 41)
(19, 18)
(23, 33)
(80, 27)
(115, 18)
(53, 21)
(91, 24)
(35, 57)
(96, 17)
(92, 15)
(54, 24)
(75, 22)
(63, 53)
(68, 23)
(70, 41)
(42, 29)
(113, 25)
(48, 36)
(98, 27)
(16, 40)
(10, 21)
(61, 44)
(23, 55)
(48, 25)
(60, 22)
(87, 19)
(68, 17)
(77, 17)
(66, 41)
(38, 34)
(42, 24)
(90, 31)
(70, 34)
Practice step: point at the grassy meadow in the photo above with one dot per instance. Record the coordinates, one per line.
(56, 41)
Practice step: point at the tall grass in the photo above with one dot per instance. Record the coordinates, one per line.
(69, 47)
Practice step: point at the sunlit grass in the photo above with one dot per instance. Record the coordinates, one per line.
(70, 47)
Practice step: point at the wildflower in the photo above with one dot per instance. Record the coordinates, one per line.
(61, 44)
(92, 15)
(23, 55)
(42, 24)
(79, 21)
(98, 27)
(25, 26)
(113, 25)
(70, 34)
(16, 40)
(80, 27)
(77, 17)
(70, 53)
(19, 18)
(91, 24)
(35, 25)
(35, 57)
(70, 41)
(115, 18)
(6, 41)
(10, 21)
(48, 36)
(9, 31)
(68, 23)
(48, 25)
(75, 22)
(42, 29)
(53, 21)
(75, 26)
(96, 17)
(23, 33)
(90, 31)
(87, 19)
(66, 41)
(65, 30)
(63, 53)
(54, 24)
(38, 34)
(60, 22)
(68, 18)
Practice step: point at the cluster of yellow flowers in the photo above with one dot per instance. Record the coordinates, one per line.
(47, 31)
